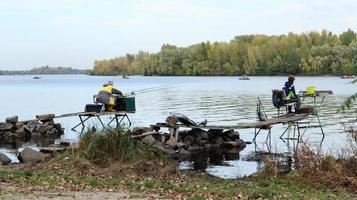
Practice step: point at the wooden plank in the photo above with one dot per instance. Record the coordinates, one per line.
(145, 134)
(258, 124)
(90, 114)
(45, 117)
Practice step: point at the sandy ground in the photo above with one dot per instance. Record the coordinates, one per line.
(11, 192)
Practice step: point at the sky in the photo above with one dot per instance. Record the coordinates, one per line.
(75, 33)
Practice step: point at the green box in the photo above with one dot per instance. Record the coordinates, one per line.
(126, 104)
(130, 103)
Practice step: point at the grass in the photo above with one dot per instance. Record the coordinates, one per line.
(109, 145)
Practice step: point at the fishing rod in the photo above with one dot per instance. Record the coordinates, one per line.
(152, 89)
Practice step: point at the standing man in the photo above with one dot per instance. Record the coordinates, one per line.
(290, 93)
(108, 95)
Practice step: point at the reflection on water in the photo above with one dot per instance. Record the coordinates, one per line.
(220, 100)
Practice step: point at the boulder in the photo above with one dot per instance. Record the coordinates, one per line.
(13, 119)
(232, 134)
(180, 145)
(171, 120)
(6, 126)
(149, 139)
(29, 155)
(52, 150)
(65, 142)
(184, 154)
(21, 133)
(140, 130)
(4, 159)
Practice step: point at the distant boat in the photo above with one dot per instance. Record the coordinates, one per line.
(125, 77)
(348, 77)
(36, 77)
(244, 78)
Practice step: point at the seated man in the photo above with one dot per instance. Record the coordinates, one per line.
(290, 93)
(108, 95)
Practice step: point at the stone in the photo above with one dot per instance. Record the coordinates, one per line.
(149, 139)
(13, 119)
(171, 153)
(188, 140)
(65, 142)
(4, 159)
(232, 134)
(21, 133)
(19, 125)
(184, 154)
(140, 130)
(52, 150)
(241, 144)
(29, 129)
(218, 140)
(6, 126)
(180, 145)
(29, 155)
(171, 120)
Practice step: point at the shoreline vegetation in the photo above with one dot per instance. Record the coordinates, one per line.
(138, 170)
(312, 53)
(45, 70)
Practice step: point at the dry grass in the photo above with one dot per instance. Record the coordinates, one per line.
(319, 170)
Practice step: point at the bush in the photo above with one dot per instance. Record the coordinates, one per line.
(321, 170)
(110, 145)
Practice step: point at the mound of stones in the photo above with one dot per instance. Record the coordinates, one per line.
(12, 131)
(191, 142)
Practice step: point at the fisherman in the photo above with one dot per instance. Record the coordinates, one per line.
(290, 93)
(109, 95)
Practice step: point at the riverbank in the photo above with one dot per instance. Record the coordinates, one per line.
(134, 169)
(57, 179)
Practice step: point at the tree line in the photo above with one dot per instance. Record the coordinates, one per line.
(311, 53)
(45, 70)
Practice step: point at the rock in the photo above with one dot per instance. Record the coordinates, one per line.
(6, 126)
(8, 137)
(241, 144)
(180, 145)
(19, 125)
(172, 141)
(218, 140)
(232, 134)
(28, 129)
(194, 148)
(171, 120)
(4, 159)
(149, 139)
(140, 130)
(50, 127)
(65, 142)
(21, 133)
(13, 119)
(188, 140)
(197, 141)
(171, 153)
(184, 154)
(29, 155)
(52, 150)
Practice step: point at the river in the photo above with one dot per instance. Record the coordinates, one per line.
(220, 100)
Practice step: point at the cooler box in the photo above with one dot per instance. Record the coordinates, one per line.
(93, 108)
(126, 104)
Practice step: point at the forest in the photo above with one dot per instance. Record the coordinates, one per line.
(45, 70)
(311, 53)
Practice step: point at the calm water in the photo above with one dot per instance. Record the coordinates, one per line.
(220, 100)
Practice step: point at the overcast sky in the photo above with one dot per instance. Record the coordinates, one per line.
(74, 33)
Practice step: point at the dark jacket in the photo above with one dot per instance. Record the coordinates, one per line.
(289, 87)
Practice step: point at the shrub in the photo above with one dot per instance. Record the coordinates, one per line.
(114, 145)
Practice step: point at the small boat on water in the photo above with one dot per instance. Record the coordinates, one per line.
(244, 78)
(348, 77)
(125, 77)
(37, 77)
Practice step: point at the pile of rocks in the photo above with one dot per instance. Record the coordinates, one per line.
(12, 131)
(191, 142)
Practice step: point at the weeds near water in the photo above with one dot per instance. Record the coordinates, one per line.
(114, 145)
(321, 170)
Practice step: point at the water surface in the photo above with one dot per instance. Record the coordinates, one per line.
(220, 100)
